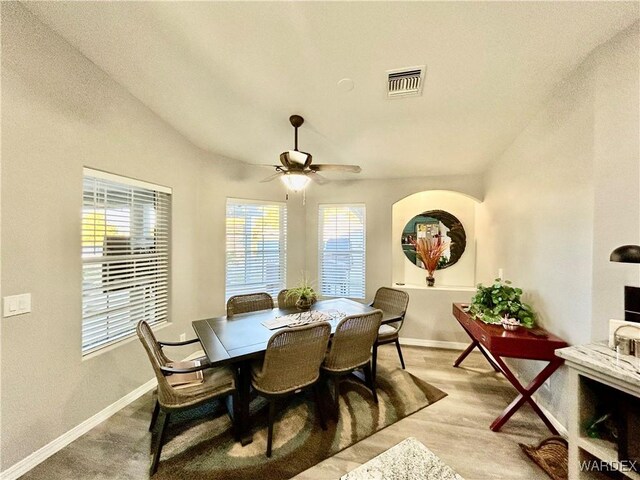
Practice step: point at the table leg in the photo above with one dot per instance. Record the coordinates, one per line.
(464, 354)
(474, 344)
(489, 358)
(244, 398)
(525, 394)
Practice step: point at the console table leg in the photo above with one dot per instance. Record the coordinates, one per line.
(525, 394)
(464, 354)
(489, 359)
(474, 344)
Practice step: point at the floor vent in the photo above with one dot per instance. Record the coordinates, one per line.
(405, 82)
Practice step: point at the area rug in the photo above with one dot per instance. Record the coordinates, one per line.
(197, 449)
(408, 460)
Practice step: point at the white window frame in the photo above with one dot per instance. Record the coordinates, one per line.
(355, 257)
(121, 288)
(233, 274)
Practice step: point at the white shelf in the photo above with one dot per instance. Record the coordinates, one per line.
(604, 450)
(444, 288)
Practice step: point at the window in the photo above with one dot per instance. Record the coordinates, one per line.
(125, 257)
(342, 250)
(256, 258)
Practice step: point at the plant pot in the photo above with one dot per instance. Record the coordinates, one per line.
(304, 303)
(431, 281)
(511, 328)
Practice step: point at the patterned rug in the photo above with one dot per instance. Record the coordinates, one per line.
(206, 449)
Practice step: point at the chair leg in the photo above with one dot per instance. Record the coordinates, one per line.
(317, 398)
(374, 361)
(161, 436)
(371, 383)
(154, 415)
(272, 414)
(400, 352)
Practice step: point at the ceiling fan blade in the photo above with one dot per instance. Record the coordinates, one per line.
(320, 167)
(271, 177)
(319, 179)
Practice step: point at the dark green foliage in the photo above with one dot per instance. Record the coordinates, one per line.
(491, 303)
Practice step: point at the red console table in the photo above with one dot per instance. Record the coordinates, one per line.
(495, 343)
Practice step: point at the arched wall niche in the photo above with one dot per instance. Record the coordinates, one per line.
(462, 206)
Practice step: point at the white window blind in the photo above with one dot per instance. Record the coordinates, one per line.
(341, 243)
(125, 257)
(256, 252)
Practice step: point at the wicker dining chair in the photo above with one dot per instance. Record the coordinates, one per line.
(218, 382)
(351, 350)
(251, 302)
(286, 302)
(291, 364)
(391, 302)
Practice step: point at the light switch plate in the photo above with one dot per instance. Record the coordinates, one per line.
(17, 305)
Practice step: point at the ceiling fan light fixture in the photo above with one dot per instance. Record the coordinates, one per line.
(295, 182)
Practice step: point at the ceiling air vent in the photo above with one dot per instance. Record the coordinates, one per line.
(405, 82)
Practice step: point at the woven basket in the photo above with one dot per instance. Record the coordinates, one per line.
(551, 455)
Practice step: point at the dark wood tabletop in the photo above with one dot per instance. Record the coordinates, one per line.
(241, 337)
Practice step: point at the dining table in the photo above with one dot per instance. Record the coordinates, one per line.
(239, 340)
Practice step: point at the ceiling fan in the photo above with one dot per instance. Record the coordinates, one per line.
(296, 169)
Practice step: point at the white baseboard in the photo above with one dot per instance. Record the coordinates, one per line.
(419, 342)
(40, 455)
(562, 430)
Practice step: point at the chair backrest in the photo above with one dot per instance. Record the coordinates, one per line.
(286, 302)
(352, 341)
(293, 358)
(166, 393)
(392, 301)
(251, 302)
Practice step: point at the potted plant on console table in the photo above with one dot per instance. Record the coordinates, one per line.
(501, 303)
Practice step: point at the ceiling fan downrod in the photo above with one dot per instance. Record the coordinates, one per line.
(296, 121)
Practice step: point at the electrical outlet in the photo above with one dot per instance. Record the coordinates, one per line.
(183, 337)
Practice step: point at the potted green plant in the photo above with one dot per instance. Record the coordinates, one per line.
(305, 294)
(502, 303)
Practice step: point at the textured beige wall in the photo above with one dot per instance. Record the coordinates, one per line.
(616, 172)
(563, 195)
(60, 113)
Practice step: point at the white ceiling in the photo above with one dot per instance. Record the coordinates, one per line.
(227, 75)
